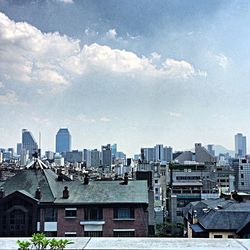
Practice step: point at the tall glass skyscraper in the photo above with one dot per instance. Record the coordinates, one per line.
(63, 140)
(240, 145)
(28, 142)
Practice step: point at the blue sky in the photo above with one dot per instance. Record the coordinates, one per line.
(135, 73)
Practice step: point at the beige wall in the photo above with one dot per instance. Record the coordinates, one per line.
(224, 234)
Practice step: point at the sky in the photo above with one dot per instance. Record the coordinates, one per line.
(135, 73)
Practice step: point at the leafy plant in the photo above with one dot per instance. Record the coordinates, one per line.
(23, 245)
(39, 242)
(59, 244)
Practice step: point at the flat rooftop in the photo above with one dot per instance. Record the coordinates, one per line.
(144, 243)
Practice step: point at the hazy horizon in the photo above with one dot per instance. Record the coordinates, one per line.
(135, 73)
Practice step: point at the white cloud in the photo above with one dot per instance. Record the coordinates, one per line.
(178, 69)
(9, 98)
(174, 114)
(220, 59)
(104, 119)
(51, 59)
(1, 85)
(65, 1)
(155, 56)
(111, 34)
(83, 118)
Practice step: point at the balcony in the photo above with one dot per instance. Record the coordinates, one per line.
(144, 243)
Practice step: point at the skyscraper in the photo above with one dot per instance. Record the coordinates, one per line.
(28, 142)
(106, 156)
(63, 140)
(240, 145)
(158, 152)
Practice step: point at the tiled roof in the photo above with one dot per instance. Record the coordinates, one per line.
(95, 192)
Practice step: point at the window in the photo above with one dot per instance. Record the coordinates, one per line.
(124, 233)
(50, 214)
(242, 183)
(230, 236)
(124, 213)
(178, 213)
(70, 212)
(156, 190)
(242, 176)
(93, 214)
(241, 167)
(92, 233)
(156, 181)
(70, 234)
(217, 236)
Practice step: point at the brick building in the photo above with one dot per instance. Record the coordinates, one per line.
(38, 200)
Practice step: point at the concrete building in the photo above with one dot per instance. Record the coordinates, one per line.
(28, 142)
(63, 141)
(74, 156)
(49, 155)
(182, 157)
(240, 145)
(202, 155)
(242, 175)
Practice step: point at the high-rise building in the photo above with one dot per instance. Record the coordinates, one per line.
(106, 156)
(240, 145)
(210, 149)
(95, 158)
(63, 140)
(149, 154)
(167, 154)
(19, 148)
(28, 142)
(158, 152)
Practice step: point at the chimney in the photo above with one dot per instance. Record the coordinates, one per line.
(125, 182)
(65, 193)
(38, 195)
(60, 177)
(86, 179)
(1, 192)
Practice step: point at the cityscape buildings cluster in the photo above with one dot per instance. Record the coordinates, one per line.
(93, 192)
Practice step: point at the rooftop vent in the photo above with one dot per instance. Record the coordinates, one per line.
(2, 192)
(65, 193)
(86, 179)
(60, 177)
(125, 182)
(38, 193)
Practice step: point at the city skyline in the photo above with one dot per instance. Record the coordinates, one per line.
(132, 73)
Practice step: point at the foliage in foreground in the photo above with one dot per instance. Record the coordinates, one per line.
(39, 242)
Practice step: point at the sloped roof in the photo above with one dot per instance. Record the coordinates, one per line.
(28, 180)
(106, 192)
(220, 214)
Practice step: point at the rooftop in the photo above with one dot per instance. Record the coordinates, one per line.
(145, 243)
(27, 181)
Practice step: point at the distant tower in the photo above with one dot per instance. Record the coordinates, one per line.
(158, 152)
(28, 142)
(240, 145)
(106, 156)
(63, 140)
